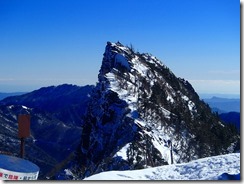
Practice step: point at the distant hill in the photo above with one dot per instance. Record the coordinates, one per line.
(227, 108)
(223, 105)
(210, 95)
(5, 95)
(66, 102)
(56, 113)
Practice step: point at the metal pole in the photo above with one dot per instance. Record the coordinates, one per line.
(171, 152)
(22, 147)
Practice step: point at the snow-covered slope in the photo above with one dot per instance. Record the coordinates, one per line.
(223, 167)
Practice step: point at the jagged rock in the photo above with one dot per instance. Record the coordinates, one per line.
(141, 115)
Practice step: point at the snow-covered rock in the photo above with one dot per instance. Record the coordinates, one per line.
(141, 115)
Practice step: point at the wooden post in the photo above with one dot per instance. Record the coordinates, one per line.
(22, 147)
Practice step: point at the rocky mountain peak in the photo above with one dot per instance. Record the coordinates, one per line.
(141, 115)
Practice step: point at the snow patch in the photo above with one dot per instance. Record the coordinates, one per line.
(170, 98)
(122, 152)
(24, 107)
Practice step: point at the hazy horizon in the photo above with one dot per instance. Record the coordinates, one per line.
(201, 95)
(46, 43)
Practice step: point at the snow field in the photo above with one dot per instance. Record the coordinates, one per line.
(210, 168)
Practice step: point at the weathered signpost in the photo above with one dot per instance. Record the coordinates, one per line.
(24, 131)
(14, 168)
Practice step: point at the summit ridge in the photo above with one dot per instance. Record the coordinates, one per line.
(141, 115)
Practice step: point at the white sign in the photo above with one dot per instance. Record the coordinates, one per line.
(10, 175)
(14, 168)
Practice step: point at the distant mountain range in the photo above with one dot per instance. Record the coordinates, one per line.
(223, 105)
(56, 113)
(227, 108)
(67, 102)
(138, 115)
(4, 95)
(227, 105)
(219, 95)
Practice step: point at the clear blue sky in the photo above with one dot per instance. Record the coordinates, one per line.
(51, 42)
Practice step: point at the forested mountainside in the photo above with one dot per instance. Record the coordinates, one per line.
(66, 102)
(56, 113)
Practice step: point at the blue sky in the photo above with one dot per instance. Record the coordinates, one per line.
(51, 42)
